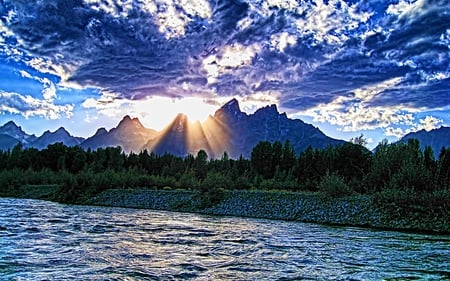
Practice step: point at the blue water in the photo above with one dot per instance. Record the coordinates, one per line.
(48, 241)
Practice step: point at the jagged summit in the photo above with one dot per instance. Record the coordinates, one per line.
(62, 130)
(11, 127)
(60, 135)
(128, 121)
(269, 109)
(10, 124)
(436, 138)
(230, 111)
(100, 131)
(232, 106)
(13, 130)
(129, 134)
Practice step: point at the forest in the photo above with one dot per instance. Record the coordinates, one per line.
(397, 173)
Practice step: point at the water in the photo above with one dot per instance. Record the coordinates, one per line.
(47, 241)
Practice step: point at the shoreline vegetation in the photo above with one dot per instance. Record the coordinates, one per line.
(398, 187)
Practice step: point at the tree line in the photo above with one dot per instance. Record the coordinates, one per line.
(398, 172)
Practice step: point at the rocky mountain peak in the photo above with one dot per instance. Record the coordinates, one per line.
(100, 131)
(232, 106)
(267, 110)
(62, 131)
(230, 110)
(436, 138)
(10, 128)
(10, 124)
(127, 121)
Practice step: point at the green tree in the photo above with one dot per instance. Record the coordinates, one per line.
(288, 158)
(201, 165)
(262, 159)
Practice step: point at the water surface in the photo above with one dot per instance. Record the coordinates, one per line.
(42, 240)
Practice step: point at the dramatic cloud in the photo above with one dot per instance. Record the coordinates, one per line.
(359, 65)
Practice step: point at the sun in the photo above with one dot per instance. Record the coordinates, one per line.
(158, 112)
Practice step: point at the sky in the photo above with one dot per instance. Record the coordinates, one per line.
(380, 68)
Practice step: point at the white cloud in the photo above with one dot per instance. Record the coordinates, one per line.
(64, 71)
(395, 132)
(367, 93)
(355, 113)
(27, 106)
(429, 123)
(329, 24)
(49, 92)
(407, 8)
(172, 16)
(252, 102)
(283, 40)
(231, 56)
(107, 104)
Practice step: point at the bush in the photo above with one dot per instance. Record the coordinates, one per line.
(335, 186)
(412, 176)
(212, 189)
(408, 199)
(242, 182)
(187, 180)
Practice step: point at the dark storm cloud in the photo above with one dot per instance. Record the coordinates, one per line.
(114, 52)
(434, 93)
(310, 53)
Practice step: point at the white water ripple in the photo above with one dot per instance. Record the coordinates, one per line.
(42, 240)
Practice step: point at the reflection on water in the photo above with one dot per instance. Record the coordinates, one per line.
(47, 241)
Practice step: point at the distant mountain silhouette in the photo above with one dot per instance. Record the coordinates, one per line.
(235, 132)
(11, 130)
(11, 134)
(436, 138)
(60, 135)
(229, 130)
(7, 142)
(129, 134)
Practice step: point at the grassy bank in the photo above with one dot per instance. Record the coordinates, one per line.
(353, 210)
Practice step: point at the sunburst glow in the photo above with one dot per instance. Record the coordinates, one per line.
(157, 112)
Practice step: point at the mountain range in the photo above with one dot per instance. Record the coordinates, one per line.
(228, 130)
(436, 138)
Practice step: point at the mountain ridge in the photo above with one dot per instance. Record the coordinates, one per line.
(227, 130)
(435, 138)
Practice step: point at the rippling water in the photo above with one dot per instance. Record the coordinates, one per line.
(47, 241)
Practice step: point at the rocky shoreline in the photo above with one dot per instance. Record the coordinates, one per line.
(358, 210)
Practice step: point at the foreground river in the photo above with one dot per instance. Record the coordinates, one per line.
(42, 240)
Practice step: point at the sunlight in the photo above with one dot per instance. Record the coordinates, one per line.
(190, 122)
(158, 112)
(211, 136)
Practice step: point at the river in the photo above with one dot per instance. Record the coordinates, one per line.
(42, 240)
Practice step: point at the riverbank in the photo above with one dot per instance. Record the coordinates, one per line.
(357, 210)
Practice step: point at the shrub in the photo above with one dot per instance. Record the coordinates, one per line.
(187, 180)
(410, 198)
(334, 185)
(412, 176)
(212, 189)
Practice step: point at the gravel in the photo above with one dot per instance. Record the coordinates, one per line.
(357, 210)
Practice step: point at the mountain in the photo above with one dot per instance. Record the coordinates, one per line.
(7, 142)
(11, 130)
(182, 137)
(129, 134)
(229, 130)
(60, 135)
(436, 138)
(235, 132)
